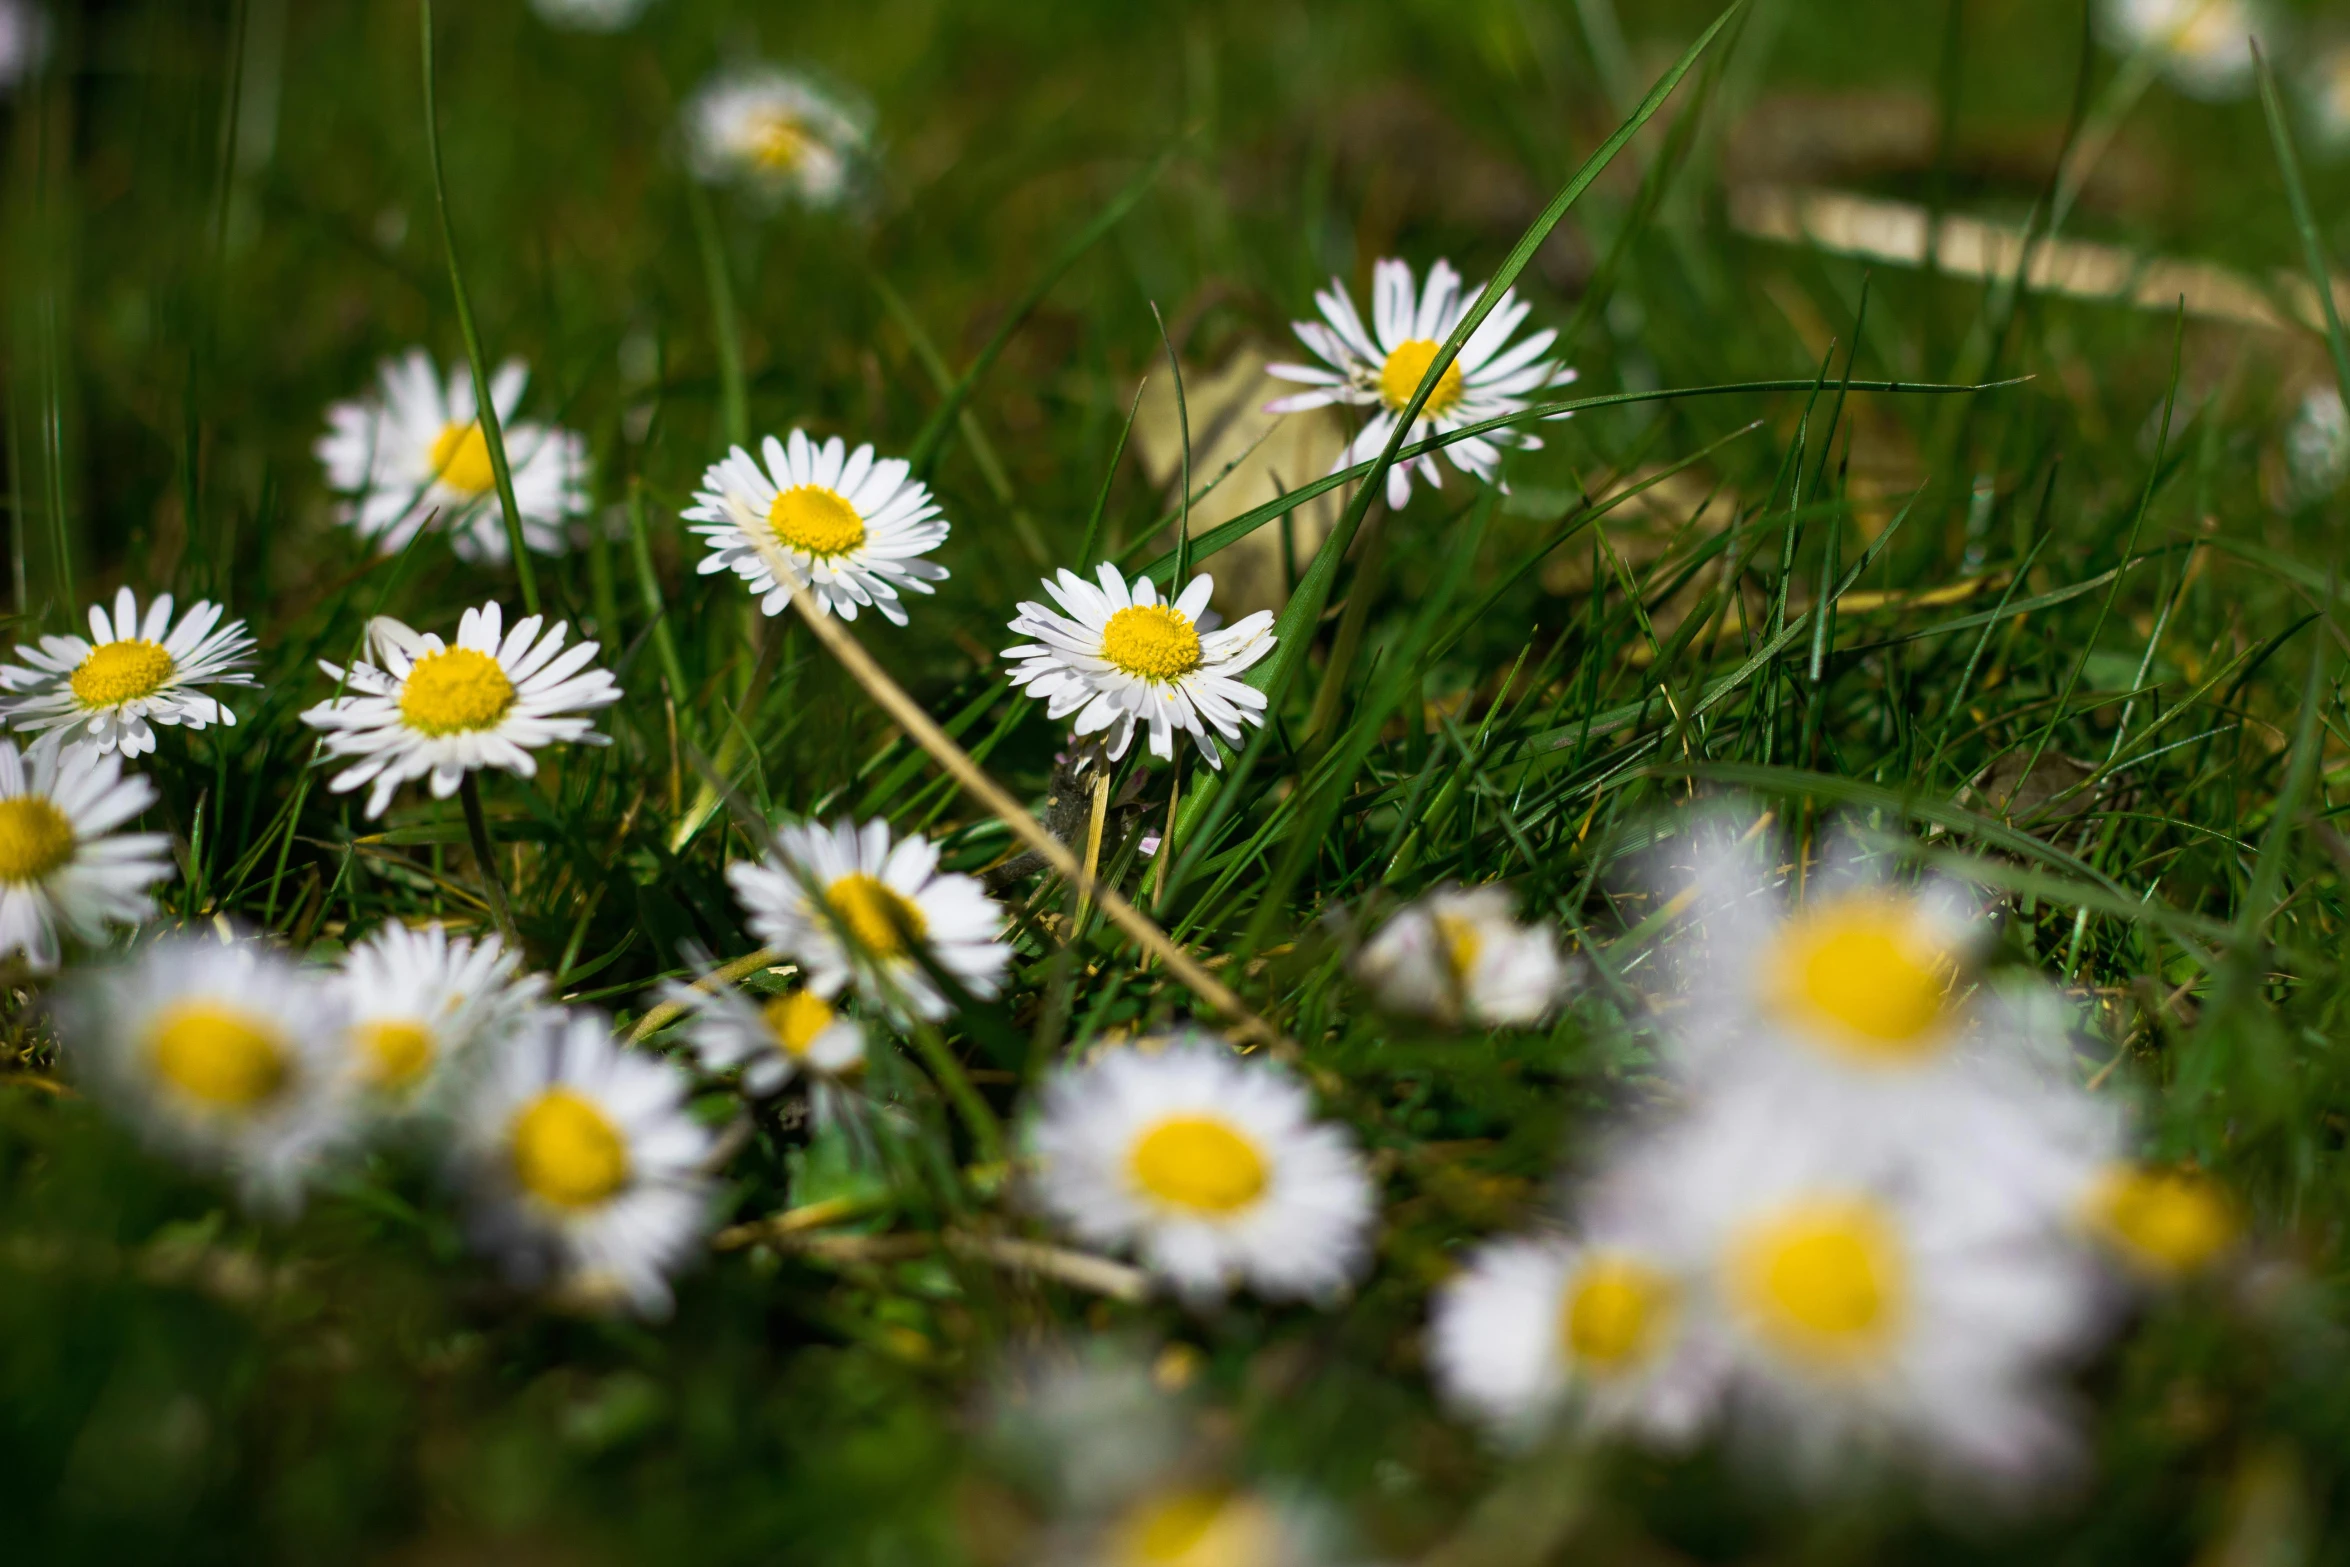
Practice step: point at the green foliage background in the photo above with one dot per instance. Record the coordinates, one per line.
(219, 217)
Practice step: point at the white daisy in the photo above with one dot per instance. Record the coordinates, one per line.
(2160, 1225)
(1535, 1327)
(2317, 445)
(775, 132)
(1210, 1166)
(590, 16)
(772, 1038)
(847, 526)
(131, 671)
(885, 901)
(61, 861)
(1382, 368)
(422, 1004)
(414, 452)
(424, 706)
(1460, 953)
(2205, 45)
(229, 1057)
(584, 1165)
(1121, 656)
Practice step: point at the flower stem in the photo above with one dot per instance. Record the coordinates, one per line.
(492, 886)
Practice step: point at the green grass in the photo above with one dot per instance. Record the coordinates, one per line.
(219, 217)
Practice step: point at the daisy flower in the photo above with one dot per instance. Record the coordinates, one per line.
(590, 16)
(423, 706)
(821, 884)
(61, 861)
(2329, 94)
(422, 1002)
(775, 132)
(24, 41)
(1382, 368)
(2161, 1225)
(2317, 445)
(772, 1038)
(1120, 657)
(414, 451)
(847, 527)
(1536, 1326)
(2205, 46)
(1460, 953)
(1209, 1165)
(584, 1165)
(229, 1057)
(131, 672)
(1197, 1525)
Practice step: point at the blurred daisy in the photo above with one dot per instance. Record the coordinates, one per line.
(2329, 94)
(2161, 1225)
(590, 16)
(1120, 657)
(775, 132)
(1382, 368)
(414, 452)
(840, 523)
(2317, 445)
(852, 909)
(24, 41)
(62, 864)
(1459, 954)
(426, 707)
(1534, 1327)
(131, 672)
(229, 1057)
(1209, 1165)
(1197, 1526)
(772, 1038)
(584, 1165)
(2204, 46)
(422, 1003)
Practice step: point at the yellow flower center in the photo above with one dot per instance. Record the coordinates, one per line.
(778, 142)
(35, 838)
(455, 691)
(1197, 1528)
(461, 459)
(567, 1152)
(1200, 1164)
(1865, 974)
(1408, 366)
(221, 1056)
(816, 521)
(1616, 1315)
(1152, 642)
(883, 920)
(394, 1052)
(2211, 26)
(119, 672)
(1823, 1280)
(2169, 1222)
(795, 1020)
(1462, 943)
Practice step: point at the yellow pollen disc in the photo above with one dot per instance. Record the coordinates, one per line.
(813, 519)
(119, 672)
(221, 1056)
(1864, 973)
(1408, 366)
(455, 691)
(778, 143)
(35, 838)
(1616, 1315)
(883, 920)
(1152, 642)
(394, 1052)
(2170, 1222)
(795, 1020)
(1200, 1164)
(1197, 1528)
(567, 1152)
(1822, 1280)
(461, 459)
(1462, 943)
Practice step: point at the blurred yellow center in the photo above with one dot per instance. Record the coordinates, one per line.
(1823, 1280)
(394, 1052)
(1197, 1528)
(1198, 1163)
(1152, 642)
(222, 1056)
(455, 691)
(461, 459)
(119, 672)
(1617, 1313)
(35, 838)
(1408, 366)
(1462, 943)
(2171, 1222)
(2210, 26)
(883, 920)
(778, 142)
(816, 520)
(795, 1020)
(567, 1152)
(1864, 973)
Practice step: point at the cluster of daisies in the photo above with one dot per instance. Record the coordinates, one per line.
(1881, 1218)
